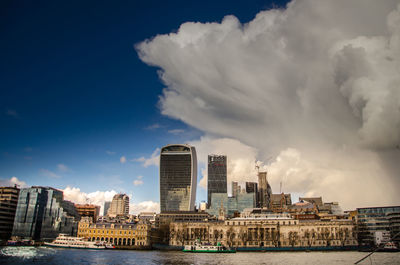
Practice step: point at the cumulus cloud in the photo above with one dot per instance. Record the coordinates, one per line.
(98, 197)
(145, 206)
(49, 173)
(315, 84)
(122, 159)
(153, 160)
(13, 181)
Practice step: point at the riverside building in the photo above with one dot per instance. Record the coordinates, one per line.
(269, 230)
(42, 214)
(375, 219)
(216, 176)
(118, 234)
(8, 206)
(178, 178)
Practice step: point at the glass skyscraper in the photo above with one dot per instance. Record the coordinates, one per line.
(42, 214)
(216, 176)
(178, 178)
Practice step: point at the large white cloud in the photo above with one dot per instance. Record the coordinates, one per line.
(317, 84)
(98, 197)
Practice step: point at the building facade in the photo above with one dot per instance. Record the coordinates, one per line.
(119, 205)
(8, 206)
(106, 207)
(268, 231)
(230, 205)
(373, 219)
(88, 210)
(42, 214)
(217, 171)
(178, 178)
(235, 188)
(264, 190)
(118, 234)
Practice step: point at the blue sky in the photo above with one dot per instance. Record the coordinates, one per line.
(75, 97)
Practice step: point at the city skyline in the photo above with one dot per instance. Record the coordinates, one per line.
(91, 92)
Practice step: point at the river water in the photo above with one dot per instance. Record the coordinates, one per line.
(44, 255)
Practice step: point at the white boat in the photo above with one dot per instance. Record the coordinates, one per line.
(65, 241)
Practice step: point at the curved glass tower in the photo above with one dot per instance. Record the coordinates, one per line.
(178, 177)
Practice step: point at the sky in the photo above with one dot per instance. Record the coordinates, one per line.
(310, 91)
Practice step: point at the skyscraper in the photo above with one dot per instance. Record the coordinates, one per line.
(178, 177)
(235, 188)
(252, 187)
(264, 190)
(42, 214)
(119, 205)
(106, 207)
(216, 176)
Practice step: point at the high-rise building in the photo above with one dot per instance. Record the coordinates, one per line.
(8, 205)
(88, 210)
(216, 176)
(264, 190)
(106, 207)
(42, 214)
(235, 189)
(119, 205)
(252, 187)
(178, 178)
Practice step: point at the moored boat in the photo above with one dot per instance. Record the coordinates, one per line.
(65, 241)
(207, 248)
(389, 247)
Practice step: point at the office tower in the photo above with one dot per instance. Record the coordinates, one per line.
(8, 206)
(88, 210)
(216, 176)
(178, 177)
(42, 214)
(235, 189)
(106, 207)
(252, 187)
(264, 190)
(119, 205)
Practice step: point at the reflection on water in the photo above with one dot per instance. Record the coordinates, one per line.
(44, 255)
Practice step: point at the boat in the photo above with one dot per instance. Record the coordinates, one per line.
(207, 248)
(389, 247)
(65, 241)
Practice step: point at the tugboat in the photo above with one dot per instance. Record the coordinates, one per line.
(208, 248)
(65, 241)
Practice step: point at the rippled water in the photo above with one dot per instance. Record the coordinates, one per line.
(44, 255)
